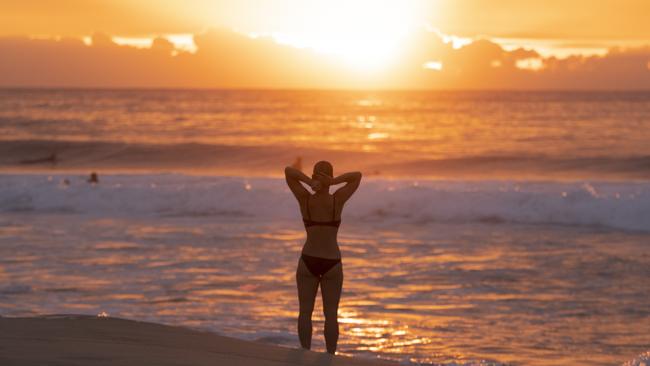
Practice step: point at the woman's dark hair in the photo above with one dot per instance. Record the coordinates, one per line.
(324, 167)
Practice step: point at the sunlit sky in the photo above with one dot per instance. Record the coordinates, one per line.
(366, 35)
(353, 27)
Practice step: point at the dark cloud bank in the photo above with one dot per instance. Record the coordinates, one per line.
(229, 60)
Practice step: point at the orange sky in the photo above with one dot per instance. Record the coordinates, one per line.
(554, 19)
(335, 43)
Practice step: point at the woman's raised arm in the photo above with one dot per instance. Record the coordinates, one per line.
(294, 177)
(353, 179)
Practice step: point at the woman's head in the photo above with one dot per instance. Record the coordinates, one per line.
(323, 167)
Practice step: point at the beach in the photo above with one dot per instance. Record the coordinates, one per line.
(93, 341)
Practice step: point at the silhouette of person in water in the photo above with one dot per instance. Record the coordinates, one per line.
(52, 158)
(320, 261)
(94, 178)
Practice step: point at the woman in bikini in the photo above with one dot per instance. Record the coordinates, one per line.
(320, 262)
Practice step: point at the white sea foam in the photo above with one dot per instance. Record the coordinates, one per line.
(642, 360)
(613, 205)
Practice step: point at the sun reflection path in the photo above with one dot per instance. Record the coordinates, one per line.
(379, 335)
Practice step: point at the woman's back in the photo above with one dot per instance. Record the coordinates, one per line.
(321, 217)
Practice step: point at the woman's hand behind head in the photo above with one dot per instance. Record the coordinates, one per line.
(325, 179)
(316, 185)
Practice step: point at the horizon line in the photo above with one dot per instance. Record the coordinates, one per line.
(298, 89)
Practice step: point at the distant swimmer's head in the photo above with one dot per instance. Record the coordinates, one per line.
(323, 167)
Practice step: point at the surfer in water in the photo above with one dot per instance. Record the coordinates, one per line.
(320, 261)
(52, 158)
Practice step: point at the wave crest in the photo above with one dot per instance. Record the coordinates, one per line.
(614, 205)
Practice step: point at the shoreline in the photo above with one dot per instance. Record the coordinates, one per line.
(90, 340)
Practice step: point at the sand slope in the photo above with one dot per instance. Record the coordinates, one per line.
(90, 341)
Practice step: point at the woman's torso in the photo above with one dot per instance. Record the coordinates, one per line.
(321, 238)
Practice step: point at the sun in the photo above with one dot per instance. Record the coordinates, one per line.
(365, 34)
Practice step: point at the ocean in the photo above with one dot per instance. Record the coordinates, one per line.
(490, 228)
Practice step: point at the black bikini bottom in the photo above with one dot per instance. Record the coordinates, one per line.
(319, 266)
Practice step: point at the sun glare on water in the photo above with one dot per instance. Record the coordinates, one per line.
(365, 34)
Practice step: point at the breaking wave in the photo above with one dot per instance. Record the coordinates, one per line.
(604, 204)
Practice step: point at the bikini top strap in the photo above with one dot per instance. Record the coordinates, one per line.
(307, 204)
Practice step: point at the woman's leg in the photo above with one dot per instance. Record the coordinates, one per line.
(307, 288)
(330, 288)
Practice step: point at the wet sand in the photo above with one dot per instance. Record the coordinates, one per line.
(91, 341)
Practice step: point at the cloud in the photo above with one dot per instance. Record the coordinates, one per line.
(485, 64)
(225, 59)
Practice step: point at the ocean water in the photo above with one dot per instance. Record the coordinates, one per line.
(490, 228)
(459, 135)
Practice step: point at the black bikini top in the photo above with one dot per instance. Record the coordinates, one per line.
(309, 222)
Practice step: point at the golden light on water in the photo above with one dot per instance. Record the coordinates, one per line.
(377, 136)
(401, 301)
(369, 102)
(379, 335)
